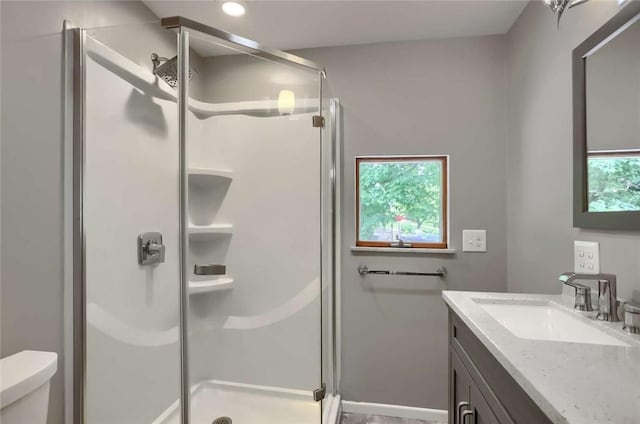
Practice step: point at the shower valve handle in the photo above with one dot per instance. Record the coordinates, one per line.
(154, 248)
(150, 248)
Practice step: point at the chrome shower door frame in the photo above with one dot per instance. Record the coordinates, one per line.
(74, 39)
(179, 22)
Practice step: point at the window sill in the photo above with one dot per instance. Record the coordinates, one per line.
(414, 250)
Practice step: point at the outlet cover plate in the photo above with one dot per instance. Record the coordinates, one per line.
(474, 240)
(586, 256)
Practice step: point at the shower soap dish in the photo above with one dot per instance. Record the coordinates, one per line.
(209, 269)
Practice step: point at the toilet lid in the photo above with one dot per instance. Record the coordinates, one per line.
(22, 373)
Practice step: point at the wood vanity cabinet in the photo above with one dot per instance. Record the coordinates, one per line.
(479, 385)
(468, 406)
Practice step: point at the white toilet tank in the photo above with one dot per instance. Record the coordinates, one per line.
(24, 386)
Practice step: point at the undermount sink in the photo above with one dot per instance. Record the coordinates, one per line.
(546, 321)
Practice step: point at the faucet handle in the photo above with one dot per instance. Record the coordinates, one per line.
(582, 292)
(632, 317)
(607, 298)
(583, 298)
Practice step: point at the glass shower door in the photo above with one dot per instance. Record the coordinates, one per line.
(254, 248)
(130, 212)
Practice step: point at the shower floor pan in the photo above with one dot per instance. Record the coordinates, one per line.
(245, 404)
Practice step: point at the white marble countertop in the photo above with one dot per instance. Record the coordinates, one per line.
(573, 383)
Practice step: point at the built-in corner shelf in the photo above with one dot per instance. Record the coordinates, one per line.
(207, 176)
(217, 284)
(210, 230)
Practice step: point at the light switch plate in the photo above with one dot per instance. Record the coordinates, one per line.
(474, 240)
(586, 256)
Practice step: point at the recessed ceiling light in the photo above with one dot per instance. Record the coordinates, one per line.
(233, 8)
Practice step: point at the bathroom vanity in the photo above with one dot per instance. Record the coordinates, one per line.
(480, 388)
(521, 359)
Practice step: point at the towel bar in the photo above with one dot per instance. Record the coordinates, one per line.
(440, 272)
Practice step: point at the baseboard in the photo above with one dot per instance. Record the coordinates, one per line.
(400, 411)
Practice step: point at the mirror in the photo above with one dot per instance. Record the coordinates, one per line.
(606, 82)
(613, 124)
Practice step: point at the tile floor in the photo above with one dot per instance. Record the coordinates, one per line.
(379, 419)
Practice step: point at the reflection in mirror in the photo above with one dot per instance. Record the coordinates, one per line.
(614, 180)
(613, 124)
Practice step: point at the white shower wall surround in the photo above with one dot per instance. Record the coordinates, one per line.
(124, 124)
(120, 330)
(274, 205)
(257, 342)
(147, 82)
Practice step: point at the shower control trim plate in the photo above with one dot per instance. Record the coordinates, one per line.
(150, 248)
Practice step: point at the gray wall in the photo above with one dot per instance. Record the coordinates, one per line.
(539, 155)
(428, 97)
(32, 169)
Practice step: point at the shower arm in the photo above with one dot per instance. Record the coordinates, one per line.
(157, 61)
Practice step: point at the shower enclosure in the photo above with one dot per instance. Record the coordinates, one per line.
(201, 197)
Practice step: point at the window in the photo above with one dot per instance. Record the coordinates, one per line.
(401, 199)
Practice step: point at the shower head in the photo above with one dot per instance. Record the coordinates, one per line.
(167, 69)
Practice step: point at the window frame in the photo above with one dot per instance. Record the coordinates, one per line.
(444, 159)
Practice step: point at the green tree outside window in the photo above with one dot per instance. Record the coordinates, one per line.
(401, 199)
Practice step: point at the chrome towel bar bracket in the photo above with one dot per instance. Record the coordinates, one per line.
(440, 272)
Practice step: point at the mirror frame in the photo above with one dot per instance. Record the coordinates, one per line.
(582, 218)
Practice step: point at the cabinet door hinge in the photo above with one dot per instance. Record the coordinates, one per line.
(318, 121)
(319, 394)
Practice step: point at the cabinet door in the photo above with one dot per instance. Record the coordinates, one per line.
(466, 403)
(482, 413)
(459, 388)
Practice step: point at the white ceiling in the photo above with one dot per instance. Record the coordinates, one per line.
(296, 24)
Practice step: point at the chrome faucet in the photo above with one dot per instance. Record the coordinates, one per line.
(583, 293)
(607, 299)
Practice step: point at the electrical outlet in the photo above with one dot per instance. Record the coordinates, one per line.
(474, 240)
(586, 257)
